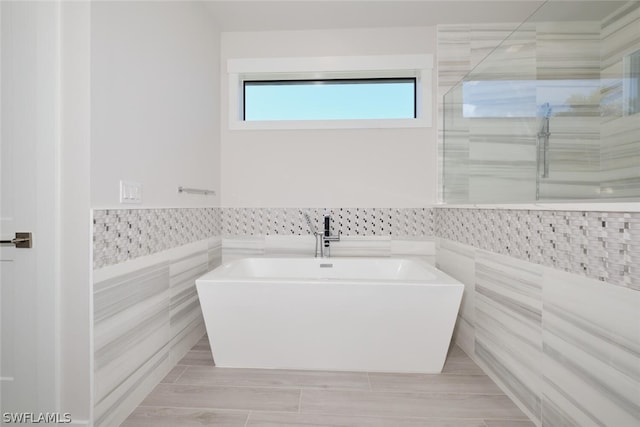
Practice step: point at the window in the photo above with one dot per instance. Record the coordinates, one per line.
(330, 99)
(330, 92)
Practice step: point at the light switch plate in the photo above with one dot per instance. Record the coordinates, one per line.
(130, 192)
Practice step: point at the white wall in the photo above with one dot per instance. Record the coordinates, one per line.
(154, 119)
(154, 102)
(327, 168)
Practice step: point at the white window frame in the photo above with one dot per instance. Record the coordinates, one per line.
(418, 66)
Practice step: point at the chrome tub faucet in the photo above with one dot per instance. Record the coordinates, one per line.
(323, 240)
(327, 237)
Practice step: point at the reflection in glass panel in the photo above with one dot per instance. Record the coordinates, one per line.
(632, 83)
(519, 98)
(549, 113)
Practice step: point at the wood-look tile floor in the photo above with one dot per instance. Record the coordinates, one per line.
(196, 393)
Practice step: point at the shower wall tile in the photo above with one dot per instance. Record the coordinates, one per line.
(620, 34)
(568, 63)
(568, 51)
(485, 38)
(620, 144)
(620, 157)
(490, 142)
(460, 49)
(508, 325)
(454, 157)
(591, 360)
(494, 159)
(454, 55)
(146, 317)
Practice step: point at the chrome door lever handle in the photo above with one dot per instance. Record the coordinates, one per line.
(22, 240)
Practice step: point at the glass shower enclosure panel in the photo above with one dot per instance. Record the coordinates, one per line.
(568, 99)
(490, 127)
(551, 113)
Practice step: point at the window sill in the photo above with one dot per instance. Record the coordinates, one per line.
(329, 124)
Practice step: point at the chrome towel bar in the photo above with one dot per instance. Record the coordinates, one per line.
(204, 192)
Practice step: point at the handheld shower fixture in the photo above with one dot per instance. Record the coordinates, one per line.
(543, 135)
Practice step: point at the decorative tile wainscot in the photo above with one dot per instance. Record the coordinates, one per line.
(123, 234)
(120, 235)
(550, 309)
(146, 314)
(600, 245)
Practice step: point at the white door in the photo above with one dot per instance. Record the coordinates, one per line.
(28, 131)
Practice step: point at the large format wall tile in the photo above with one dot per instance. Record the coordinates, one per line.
(564, 346)
(128, 332)
(235, 247)
(146, 317)
(502, 161)
(568, 78)
(498, 323)
(508, 325)
(591, 353)
(620, 131)
(460, 49)
(458, 261)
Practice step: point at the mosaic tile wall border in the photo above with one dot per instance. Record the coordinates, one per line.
(600, 245)
(123, 234)
(405, 222)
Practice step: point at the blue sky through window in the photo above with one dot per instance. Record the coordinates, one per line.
(330, 100)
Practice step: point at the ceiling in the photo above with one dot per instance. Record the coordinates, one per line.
(267, 15)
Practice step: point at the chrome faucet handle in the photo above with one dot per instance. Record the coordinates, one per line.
(332, 238)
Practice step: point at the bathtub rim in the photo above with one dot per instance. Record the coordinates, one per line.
(440, 278)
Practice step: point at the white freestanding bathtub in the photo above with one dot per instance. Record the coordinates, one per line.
(349, 314)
